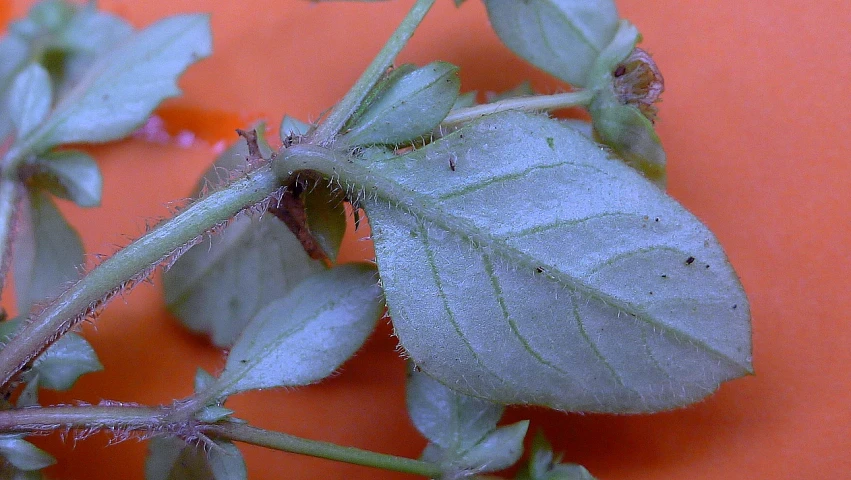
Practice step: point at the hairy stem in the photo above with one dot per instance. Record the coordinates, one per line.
(531, 103)
(130, 265)
(47, 419)
(341, 113)
(288, 443)
(152, 419)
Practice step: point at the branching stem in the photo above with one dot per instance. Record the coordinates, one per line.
(127, 418)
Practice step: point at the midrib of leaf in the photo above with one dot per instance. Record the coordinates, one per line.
(357, 177)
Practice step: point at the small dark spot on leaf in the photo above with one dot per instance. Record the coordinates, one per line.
(707, 265)
(689, 260)
(551, 142)
(539, 270)
(656, 219)
(243, 361)
(664, 276)
(651, 293)
(417, 368)
(735, 307)
(452, 159)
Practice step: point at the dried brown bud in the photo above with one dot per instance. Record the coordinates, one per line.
(637, 81)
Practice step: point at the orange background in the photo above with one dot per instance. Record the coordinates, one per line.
(755, 121)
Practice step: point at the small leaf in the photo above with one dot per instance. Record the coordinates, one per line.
(522, 90)
(30, 98)
(92, 31)
(213, 414)
(23, 454)
(543, 465)
(326, 217)
(60, 366)
(562, 37)
(51, 15)
(410, 105)
(583, 287)
(305, 336)
(465, 100)
(216, 287)
(70, 174)
(122, 88)
(451, 420)
(15, 53)
(29, 395)
(171, 458)
(48, 252)
(499, 449)
(461, 429)
(291, 127)
(203, 380)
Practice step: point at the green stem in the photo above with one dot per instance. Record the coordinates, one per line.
(288, 443)
(350, 103)
(531, 103)
(131, 265)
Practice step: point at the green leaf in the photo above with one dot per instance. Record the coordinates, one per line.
(29, 395)
(291, 127)
(30, 98)
(121, 89)
(543, 465)
(51, 15)
(92, 31)
(522, 90)
(23, 454)
(499, 449)
(65, 361)
(171, 458)
(465, 100)
(216, 287)
(203, 380)
(407, 106)
(70, 174)
(59, 367)
(462, 429)
(451, 420)
(562, 37)
(305, 336)
(213, 414)
(548, 273)
(15, 54)
(326, 217)
(48, 252)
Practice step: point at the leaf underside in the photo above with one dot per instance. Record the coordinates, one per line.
(542, 271)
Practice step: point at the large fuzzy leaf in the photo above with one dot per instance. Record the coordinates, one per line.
(547, 273)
